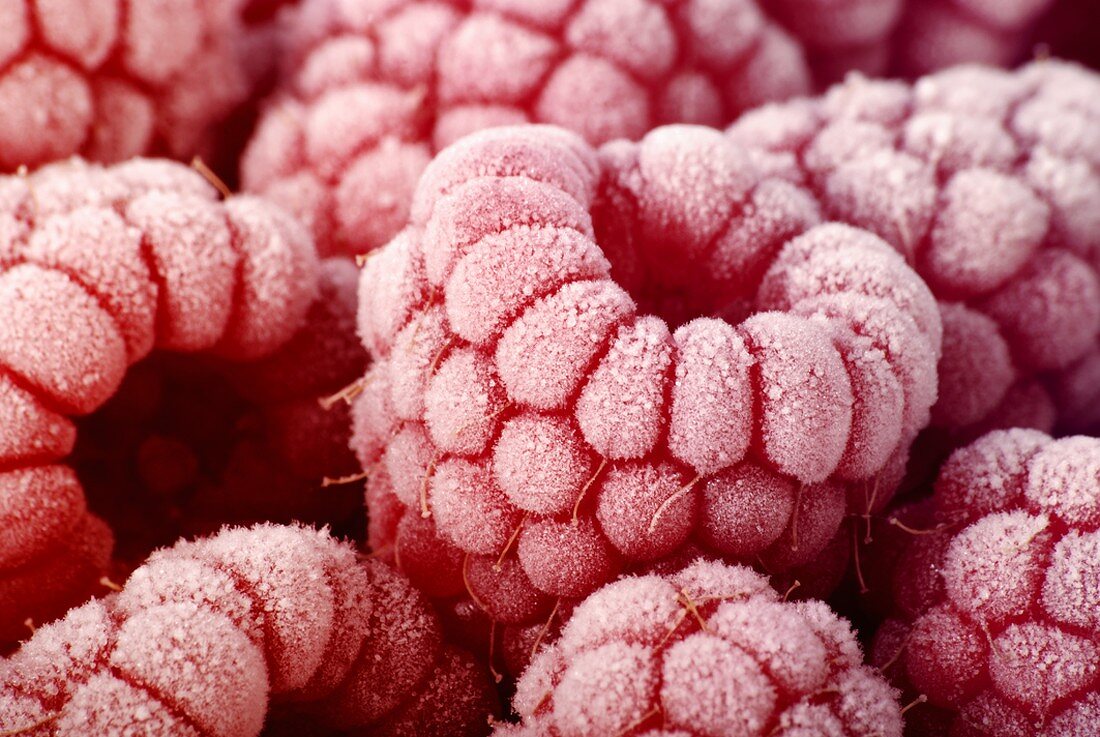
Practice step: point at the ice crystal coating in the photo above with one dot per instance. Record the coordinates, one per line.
(370, 92)
(98, 267)
(208, 634)
(710, 650)
(110, 79)
(521, 404)
(996, 604)
(988, 183)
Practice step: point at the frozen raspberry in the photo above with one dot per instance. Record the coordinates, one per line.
(989, 183)
(370, 93)
(1001, 631)
(522, 407)
(707, 650)
(206, 635)
(110, 80)
(103, 266)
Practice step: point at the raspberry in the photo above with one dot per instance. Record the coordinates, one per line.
(1004, 633)
(369, 94)
(207, 634)
(707, 650)
(987, 182)
(520, 402)
(103, 266)
(110, 80)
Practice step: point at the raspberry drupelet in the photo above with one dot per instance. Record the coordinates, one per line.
(530, 432)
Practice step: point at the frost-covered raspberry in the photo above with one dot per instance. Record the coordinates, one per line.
(988, 182)
(208, 634)
(371, 90)
(996, 606)
(710, 650)
(529, 431)
(99, 266)
(112, 79)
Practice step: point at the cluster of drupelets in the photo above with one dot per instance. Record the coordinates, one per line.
(626, 393)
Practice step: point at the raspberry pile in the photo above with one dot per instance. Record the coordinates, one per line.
(98, 267)
(529, 432)
(371, 90)
(112, 79)
(997, 606)
(708, 650)
(988, 182)
(209, 635)
(645, 354)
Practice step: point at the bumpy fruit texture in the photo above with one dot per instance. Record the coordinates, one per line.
(529, 431)
(99, 267)
(371, 90)
(996, 609)
(988, 182)
(707, 651)
(112, 79)
(208, 634)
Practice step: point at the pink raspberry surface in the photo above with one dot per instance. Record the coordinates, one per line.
(207, 635)
(709, 650)
(521, 406)
(113, 79)
(370, 91)
(98, 267)
(996, 608)
(987, 182)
